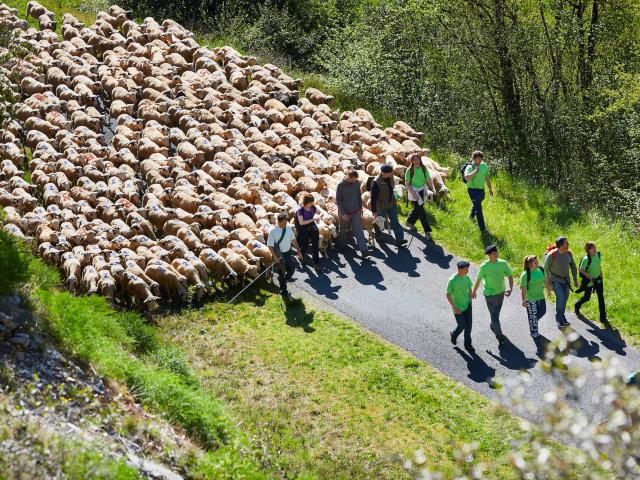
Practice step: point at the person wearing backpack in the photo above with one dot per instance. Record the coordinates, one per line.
(279, 241)
(349, 201)
(384, 203)
(417, 179)
(532, 284)
(591, 275)
(307, 230)
(475, 174)
(459, 297)
(558, 262)
(492, 274)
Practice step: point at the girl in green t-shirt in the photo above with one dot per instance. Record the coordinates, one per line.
(419, 187)
(532, 283)
(591, 273)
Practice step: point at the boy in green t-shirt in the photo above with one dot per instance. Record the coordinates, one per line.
(492, 274)
(591, 272)
(476, 175)
(459, 297)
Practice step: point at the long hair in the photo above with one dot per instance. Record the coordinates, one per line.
(413, 167)
(528, 260)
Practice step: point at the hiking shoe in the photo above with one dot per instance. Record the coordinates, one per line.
(427, 236)
(469, 348)
(454, 340)
(563, 324)
(286, 296)
(411, 227)
(472, 215)
(401, 243)
(535, 334)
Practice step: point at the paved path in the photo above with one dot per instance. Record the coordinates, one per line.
(400, 295)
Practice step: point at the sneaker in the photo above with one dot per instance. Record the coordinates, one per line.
(454, 340)
(427, 236)
(401, 243)
(472, 215)
(535, 334)
(469, 348)
(286, 296)
(563, 324)
(411, 227)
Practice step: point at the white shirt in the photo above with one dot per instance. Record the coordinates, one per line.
(276, 233)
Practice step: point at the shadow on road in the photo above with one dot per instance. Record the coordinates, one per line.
(297, 315)
(512, 357)
(609, 337)
(321, 283)
(479, 371)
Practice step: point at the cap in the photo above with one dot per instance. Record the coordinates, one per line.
(491, 249)
(463, 264)
(386, 168)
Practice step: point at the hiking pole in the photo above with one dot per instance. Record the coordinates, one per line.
(254, 281)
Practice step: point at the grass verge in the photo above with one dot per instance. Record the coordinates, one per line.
(323, 398)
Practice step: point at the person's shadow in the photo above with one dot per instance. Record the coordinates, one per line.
(609, 337)
(321, 283)
(479, 371)
(581, 347)
(512, 357)
(297, 315)
(401, 260)
(434, 253)
(541, 346)
(365, 273)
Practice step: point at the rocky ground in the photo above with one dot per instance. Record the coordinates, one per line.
(53, 411)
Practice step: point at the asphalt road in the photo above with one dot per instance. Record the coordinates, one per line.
(400, 295)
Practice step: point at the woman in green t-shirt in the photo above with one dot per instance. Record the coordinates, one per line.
(417, 180)
(532, 283)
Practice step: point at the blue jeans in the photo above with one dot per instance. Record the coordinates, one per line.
(561, 289)
(477, 196)
(392, 213)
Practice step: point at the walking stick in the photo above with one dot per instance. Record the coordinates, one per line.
(254, 281)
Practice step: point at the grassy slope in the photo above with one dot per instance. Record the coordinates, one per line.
(325, 398)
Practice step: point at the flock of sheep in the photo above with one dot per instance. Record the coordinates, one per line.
(158, 164)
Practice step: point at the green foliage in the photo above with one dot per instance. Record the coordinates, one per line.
(14, 264)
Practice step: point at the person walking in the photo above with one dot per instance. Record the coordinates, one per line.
(532, 283)
(459, 297)
(492, 274)
(477, 174)
(349, 201)
(307, 230)
(558, 262)
(417, 179)
(279, 241)
(592, 279)
(384, 203)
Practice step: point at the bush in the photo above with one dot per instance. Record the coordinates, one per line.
(14, 264)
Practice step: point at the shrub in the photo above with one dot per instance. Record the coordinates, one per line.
(14, 264)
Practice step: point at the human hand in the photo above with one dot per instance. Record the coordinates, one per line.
(473, 295)
(491, 192)
(345, 217)
(524, 303)
(508, 292)
(299, 256)
(456, 311)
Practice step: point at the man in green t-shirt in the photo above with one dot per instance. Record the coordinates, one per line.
(591, 272)
(492, 274)
(459, 297)
(476, 175)
(419, 187)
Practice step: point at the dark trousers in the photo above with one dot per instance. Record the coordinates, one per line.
(464, 320)
(599, 288)
(494, 304)
(477, 196)
(306, 235)
(285, 269)
(420, 213)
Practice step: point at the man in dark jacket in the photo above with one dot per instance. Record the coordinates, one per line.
(384, 203)
(349, 200)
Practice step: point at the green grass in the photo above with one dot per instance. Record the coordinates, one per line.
(323, 398)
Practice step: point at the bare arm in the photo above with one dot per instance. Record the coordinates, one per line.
(523, 290)
(488, 180)
(475, 288)
(456, 310)
(302, 221)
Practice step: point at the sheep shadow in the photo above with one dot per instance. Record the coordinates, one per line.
(297, 315)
